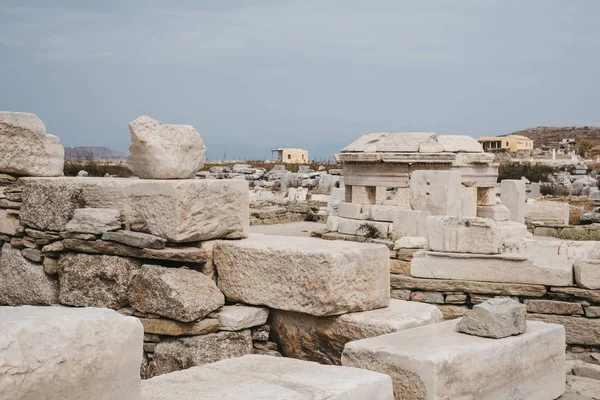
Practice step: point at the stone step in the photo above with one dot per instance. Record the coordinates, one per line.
(503, 268)
(69, 353)
(306, 275)
(437, 362)
(322, 339)
(257, 377)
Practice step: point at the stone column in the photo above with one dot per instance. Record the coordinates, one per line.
(512, 195)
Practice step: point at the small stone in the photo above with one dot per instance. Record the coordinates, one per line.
(452, 311)
(587, 370)
(171, 327)
(50, 266)
(496, 318)
(406, 254)
(399, 267)
(400, 294)
(592, 312)
(127, 311)
(149, 347)
(427, 297)
(151, 337)
(77, 236)
(8, 223)
(272, 346)
(587, 274)
(456, 298)
(238, 317)
(261, 333)
(136, 239)
(478, 298)
(32, 255)
(5, 203)
(55, 247)
(178, 293)
(94, 220)
(410, 242)
(140, 314)
(263, 352)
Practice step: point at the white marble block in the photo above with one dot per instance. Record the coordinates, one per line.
(502, 268)
(49, 353)
(436, 362)
(463, 235)
(306, 275)
(512, 195)
(409, 223)
(177, 210)
(267, 378)
(26, 149)
(438, 192)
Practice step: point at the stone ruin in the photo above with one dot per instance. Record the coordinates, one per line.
(104, 281)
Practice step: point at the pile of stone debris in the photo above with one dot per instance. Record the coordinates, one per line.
(278, 177)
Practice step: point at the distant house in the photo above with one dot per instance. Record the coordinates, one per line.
(292, 156)
(512, 143)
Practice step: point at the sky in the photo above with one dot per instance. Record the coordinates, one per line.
(252, 76)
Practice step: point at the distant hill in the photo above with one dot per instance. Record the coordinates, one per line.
(98, 153)
(545, 136)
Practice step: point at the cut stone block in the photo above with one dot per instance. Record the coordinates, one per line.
(438, 192)
(437, 362)
(322, 339)
(306, 275)
(26, 149)
(23, 282)
(541, 252)
(580, 330)
(489, 268)
(69, 354)
(333, 223)
(238, 317)
(409, 223)
(9, 224)
(410, 242)
(495, 318)
(136, 239)
(267, 378)
(169, 327)
(463, 235)
(469, 201)
(162, 151)
(349, 210)
(547, 212)
(94, 220)
(177, 210)
(88, 280)
(497, 212)
(384, 213)
(587, 274)
(553, 307)
(587, 370)
(186, 352)
(512, 195)
(353, 226)
(177, 293)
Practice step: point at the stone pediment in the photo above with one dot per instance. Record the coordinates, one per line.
(413, 142)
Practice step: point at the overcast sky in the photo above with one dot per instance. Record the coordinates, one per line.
(252, 76)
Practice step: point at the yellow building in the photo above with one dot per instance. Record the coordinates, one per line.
(512, 143)
(292, 156)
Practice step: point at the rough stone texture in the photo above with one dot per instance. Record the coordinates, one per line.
(49, 353)
(182, 353)
(94, 220)
(496, 318)
(177, 293)
(197, 255)
(438, 192)
(322, 339)
(400, 267)
(162, 151)
(410, 242)
(9, 224)
(579, 388)
(178, 210)
(409, 223)
(452, 311)
(170, 327)
(306, 275)
(26, 149)
(136, 239)
(490, 268)
(592, 295)
(437, 362)
(587, 370)
(587, 274)
(23, 282)
(580, 330)
(497, 212)
(512, 195)
(95, 280)
(553, 307)
(50, 266)
(463, 235)
(238, 317)
(592, 312)
(32, 255)
(427, 297)
(267, 378)
(442, 285)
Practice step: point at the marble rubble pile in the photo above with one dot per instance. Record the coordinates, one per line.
(578, 183)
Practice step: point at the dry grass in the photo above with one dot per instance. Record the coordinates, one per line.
(97, 168)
